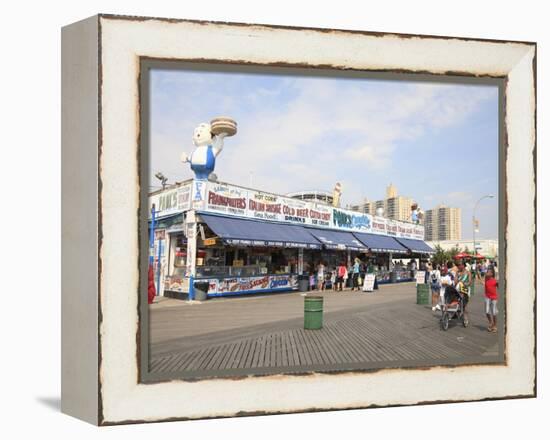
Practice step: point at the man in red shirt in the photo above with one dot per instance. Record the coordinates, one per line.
(491, 298)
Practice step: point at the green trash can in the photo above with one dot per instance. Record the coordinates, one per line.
(313, 312)
(423, 294)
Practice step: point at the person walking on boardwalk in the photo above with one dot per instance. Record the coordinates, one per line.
(435, 285)
(321, 276)
(341, 276)
(445, 280)
(355, 273)
(311, 281)
(333, 278)
(463, 283)
(453, 269)
(491, 298)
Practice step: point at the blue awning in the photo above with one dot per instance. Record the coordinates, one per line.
(418, 246)
(238, 231)
(337, 239)
(380, 243)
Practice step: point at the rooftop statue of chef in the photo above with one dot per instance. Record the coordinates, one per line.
(416, 214)
(208, 140)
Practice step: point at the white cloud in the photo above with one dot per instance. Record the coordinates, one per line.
(306, 132)
(376, 156)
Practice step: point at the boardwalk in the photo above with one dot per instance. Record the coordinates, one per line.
(361, 330)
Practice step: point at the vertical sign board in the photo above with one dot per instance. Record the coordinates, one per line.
(420, 276)
(300, 261)
(198, 194)
(368, 282)
(191, 234)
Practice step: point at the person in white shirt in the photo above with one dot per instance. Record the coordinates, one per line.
(445, 280)
(435, 284)
(321, 276)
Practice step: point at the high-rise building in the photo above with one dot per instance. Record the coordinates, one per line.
(398, 208)
(391, 191)
(395, 207)
(443, 223)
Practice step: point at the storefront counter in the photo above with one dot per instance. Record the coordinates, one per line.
(231, 280)
(383, 276)
(402, 275)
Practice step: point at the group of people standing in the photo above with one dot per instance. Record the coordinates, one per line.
(461, 276)
(338, 277)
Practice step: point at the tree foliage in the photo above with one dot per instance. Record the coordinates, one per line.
(442, 256)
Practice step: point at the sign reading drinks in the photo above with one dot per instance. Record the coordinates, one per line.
(228, 199)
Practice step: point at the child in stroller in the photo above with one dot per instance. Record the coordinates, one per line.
(453, 308)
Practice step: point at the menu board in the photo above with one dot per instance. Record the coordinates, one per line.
(420, 276)
(368, 282)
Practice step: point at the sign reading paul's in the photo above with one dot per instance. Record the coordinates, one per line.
(172, 201)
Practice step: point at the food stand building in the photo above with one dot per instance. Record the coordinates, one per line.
(242, 240)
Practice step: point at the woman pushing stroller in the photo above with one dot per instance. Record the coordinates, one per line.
(455, 292)
(463, 283)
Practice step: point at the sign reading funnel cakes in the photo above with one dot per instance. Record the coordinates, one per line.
(223, 124)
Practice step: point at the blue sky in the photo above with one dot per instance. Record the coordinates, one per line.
(437, 142)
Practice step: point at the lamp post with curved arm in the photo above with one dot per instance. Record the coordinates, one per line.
(487, 196)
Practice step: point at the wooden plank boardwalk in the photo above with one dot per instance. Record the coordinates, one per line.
(398, 333)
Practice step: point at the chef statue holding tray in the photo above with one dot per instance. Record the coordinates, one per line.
(208, 140)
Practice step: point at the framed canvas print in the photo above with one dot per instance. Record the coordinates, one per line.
(265, 219)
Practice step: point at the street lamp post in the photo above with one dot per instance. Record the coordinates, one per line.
(488, 196)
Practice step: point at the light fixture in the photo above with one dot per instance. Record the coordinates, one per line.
(163, 179)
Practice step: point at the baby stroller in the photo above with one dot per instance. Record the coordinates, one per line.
(455, 302)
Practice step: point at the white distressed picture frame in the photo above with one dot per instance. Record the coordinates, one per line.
(101, 194)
